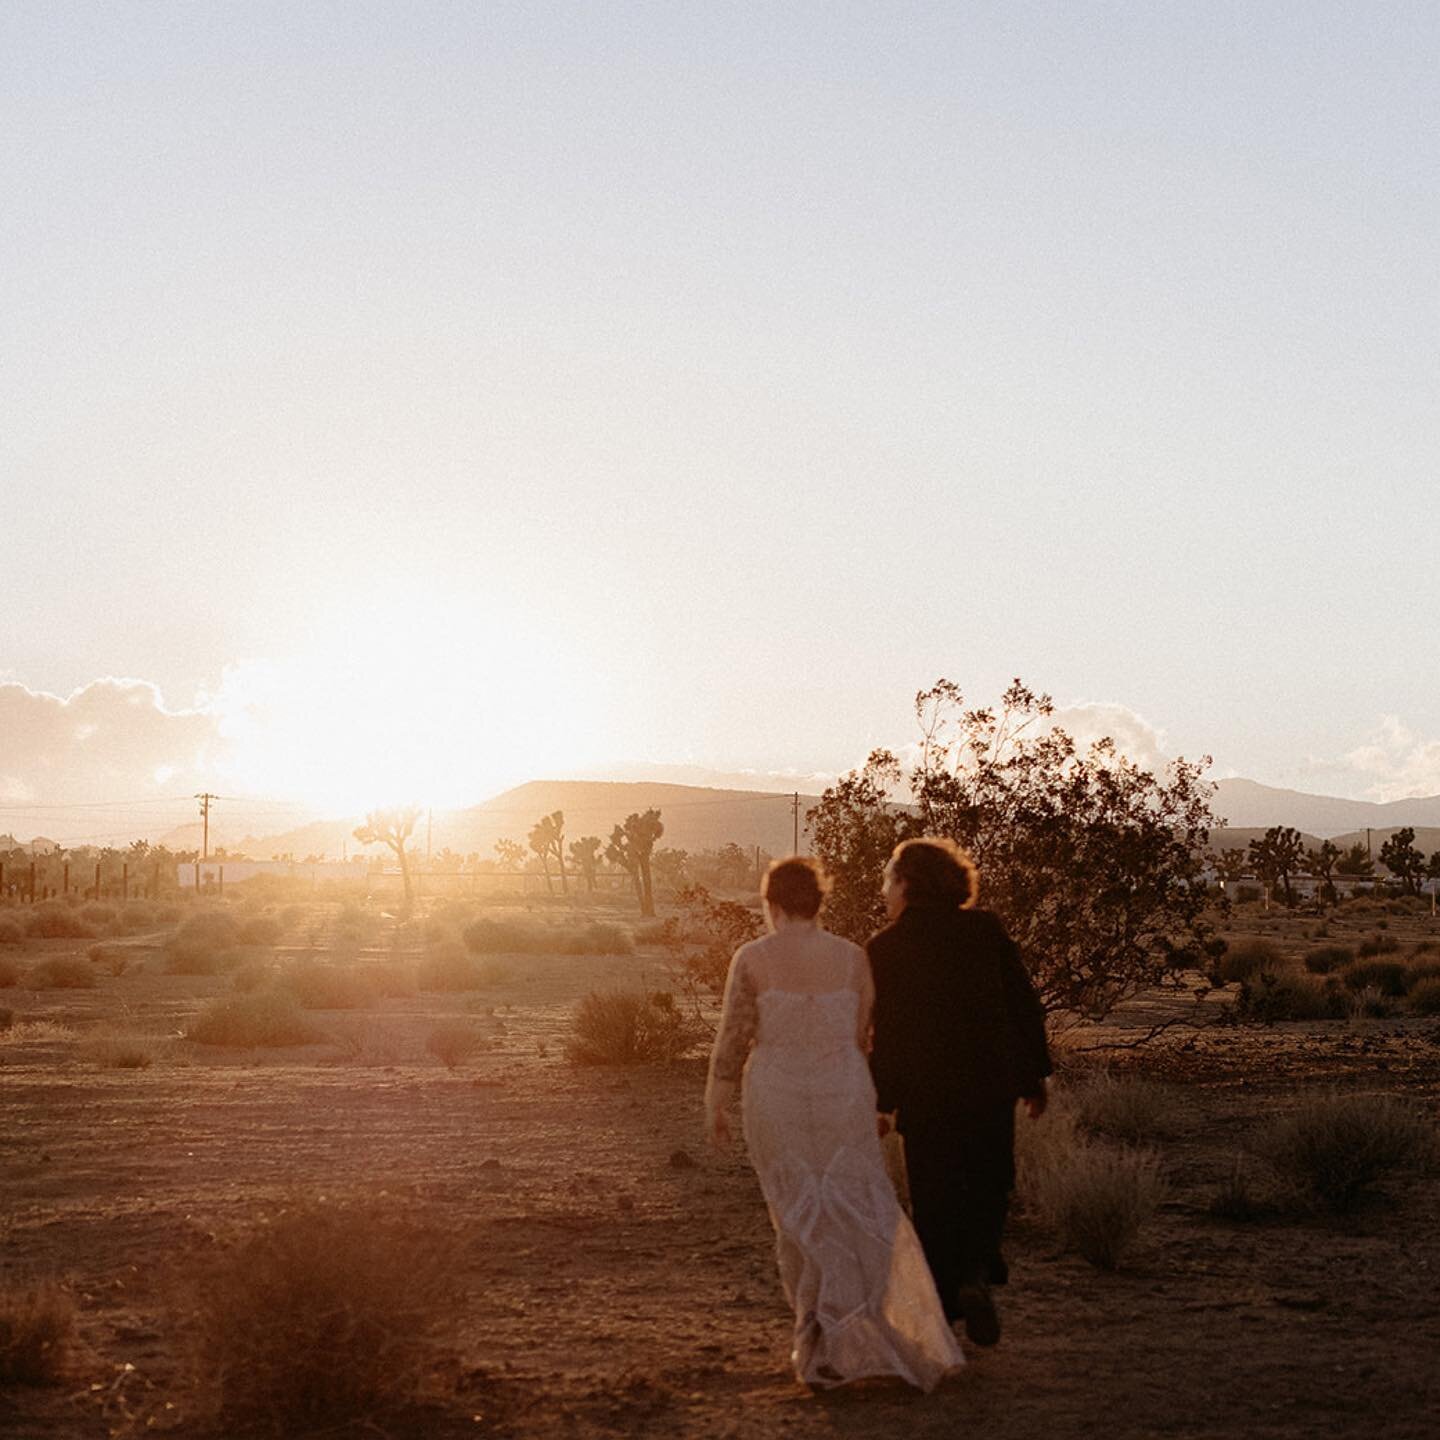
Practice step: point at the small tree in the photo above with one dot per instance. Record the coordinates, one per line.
(671, 867)
(632, 847)
(1095, 865)
(511, 853)
(1232, 864)
(585, 857)
(1321, 864)
(547, 838)
(1432, 870)
(1277, 857)
(1400, 857)
(1355, 863)
(393, 828)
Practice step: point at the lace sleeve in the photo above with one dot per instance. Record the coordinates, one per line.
(739, 1018)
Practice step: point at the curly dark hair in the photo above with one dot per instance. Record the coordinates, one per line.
(797, 886)
(935, 872)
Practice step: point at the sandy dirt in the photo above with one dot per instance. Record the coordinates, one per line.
(619, 1274)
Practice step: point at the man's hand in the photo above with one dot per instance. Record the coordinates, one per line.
(884, 1124)
(1035, 1104)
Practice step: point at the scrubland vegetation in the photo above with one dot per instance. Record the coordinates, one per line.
(531, 1070)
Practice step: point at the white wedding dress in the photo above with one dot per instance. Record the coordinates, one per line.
(850, 1262)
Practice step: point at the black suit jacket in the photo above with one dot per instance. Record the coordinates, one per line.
(958, 1026)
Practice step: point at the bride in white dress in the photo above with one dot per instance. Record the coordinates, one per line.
(850, 1262)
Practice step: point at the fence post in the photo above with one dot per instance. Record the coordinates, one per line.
(197, 879)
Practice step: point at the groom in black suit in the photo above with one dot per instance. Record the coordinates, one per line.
(959, 1038)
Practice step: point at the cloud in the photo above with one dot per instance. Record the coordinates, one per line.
(1134, 736)
(1395, 762)
(108, 742)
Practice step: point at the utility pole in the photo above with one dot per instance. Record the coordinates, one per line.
(795, 815)
(205, 798)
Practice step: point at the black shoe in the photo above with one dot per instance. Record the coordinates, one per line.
(997, 1272)
(977, 1309)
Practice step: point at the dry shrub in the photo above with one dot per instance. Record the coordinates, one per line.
(1424, 998)
(54, 920)
(1372, 1003)
(1248, 958)
(7, 1017)
(266, 1017)
(1333, 1149)
(11, 931)
(1238, 1198)
(1098, 1197)
(325, 1316)
(629, 1027)
(116, 1050)
(1328, 958)
(9, 972)
(510, 937)
(1128, 1108)
(1390, 977)
(36, 1320)
(137, 915)
(62, 972)
(326, 987)
(367, 1041)
(453, 1042)
(1378, 944)
(600, 937)
(1290, 995)
(100, 916)
(203, 945)
(41, 1030)
(651, 932)
(115, 958)
(261, 930)
(449, 967)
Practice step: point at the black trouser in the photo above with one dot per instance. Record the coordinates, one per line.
(961, 1167)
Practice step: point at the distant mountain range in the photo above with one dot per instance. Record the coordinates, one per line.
(699, 817)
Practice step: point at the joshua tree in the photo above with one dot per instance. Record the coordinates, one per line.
(547, 838)
(1400, 857)
(1321, 864)
(392, 828)
(585, 857)
(1277, 857)
(511, 853)
(632, 846)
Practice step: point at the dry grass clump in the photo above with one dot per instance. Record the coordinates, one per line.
(1123, 1108)
(41, 1030)
(600, 937)
(11, 931)
(1372, 1003)
(1328, 958)
(453, 1042)
(449, 967)
(1424, 997)
(1290, 995)
(1238, 1198)
(510, 937)
(114, 958)
(55, 920)
(1248, 958)
(1378, 944)
(135, 916)
(7, 1017)
(1096, 1197)
(36, 1321)
(328, 1315)
(118, 1050)
(62, 972)
(99, 915)
(629, 1027)
(264, 1017)
(203, 945)
(326, 987)
(260, 930)
(367, 1040)
(1390, 977)
(1334, 1149)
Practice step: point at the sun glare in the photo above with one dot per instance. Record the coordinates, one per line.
(422, 704)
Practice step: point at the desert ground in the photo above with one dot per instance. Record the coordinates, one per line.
(615, 1275)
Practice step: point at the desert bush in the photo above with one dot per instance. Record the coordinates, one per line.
(7, 1017)
(115, 1050)
(1424, 997)
(509, 937)
(9, 972)
(1416, 971)
(114, 958)
(452, 1042)
(629, 1027)
(62, 972)
(266, 1017)
(1095, 1197)
(1238, 1198)
(1372, 1003)
(367, 1040)
(1333, 1149)
(11, 931)
(650, 932)
(100, 916)
(41, 1030)
(449, 967)
(326, 987)
(1290, 995)
(325, 1316)
(600, 937)
(1390, 977)
(1378, 944)
(36, 1321)
(1328, 958)
(54, 920)
(136, 915)
(1246, 959)
(1126, 1108)
(261, 930)
(203, 945)
(393, 977)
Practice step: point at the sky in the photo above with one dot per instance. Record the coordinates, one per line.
(410, 400)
